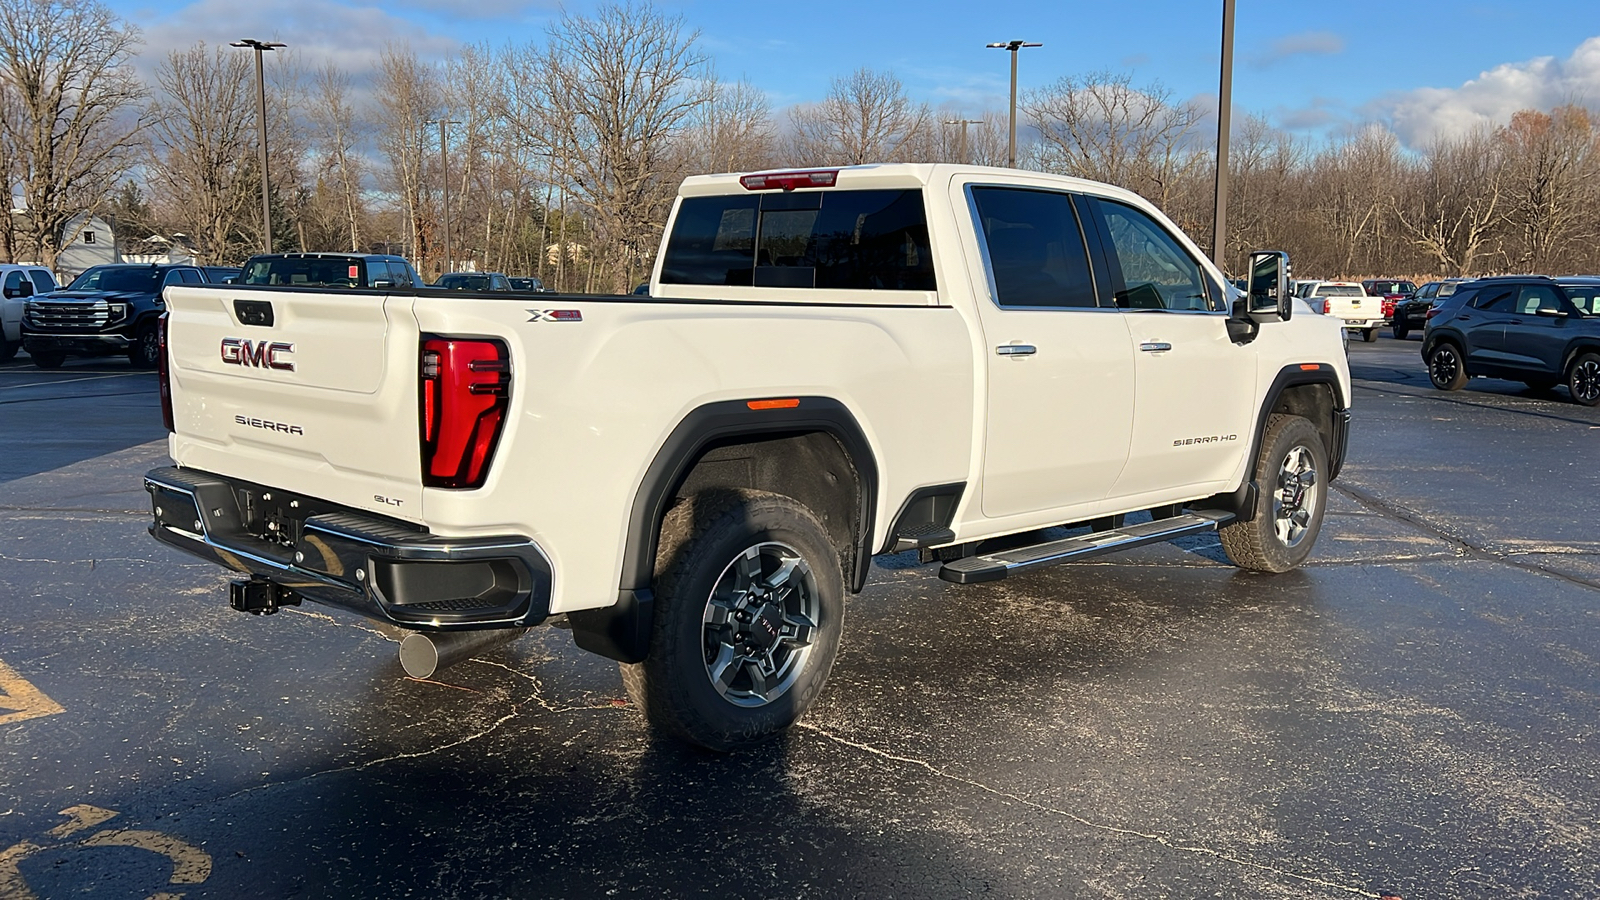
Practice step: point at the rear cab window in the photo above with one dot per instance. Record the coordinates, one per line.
(854, 240)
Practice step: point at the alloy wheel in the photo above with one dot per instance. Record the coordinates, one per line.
(758, 624)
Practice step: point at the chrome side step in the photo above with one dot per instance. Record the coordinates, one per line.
(995, 566)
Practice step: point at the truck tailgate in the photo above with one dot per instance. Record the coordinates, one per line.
(1359, 308)
(315, 402)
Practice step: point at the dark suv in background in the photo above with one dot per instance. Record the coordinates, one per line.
(1411, 314)
(1529, 328)
(371, 271)
(107, 310)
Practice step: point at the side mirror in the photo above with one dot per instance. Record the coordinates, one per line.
(1269, 299)
(27, 289)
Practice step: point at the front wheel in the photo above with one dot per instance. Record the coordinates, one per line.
(48, 359)
(749, 607)
(1445, 369)
(8, 349)
(1291, 477)
(1583, 379)
(145, 352)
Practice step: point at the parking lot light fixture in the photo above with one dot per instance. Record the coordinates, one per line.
(261, 102)
(1013, 46)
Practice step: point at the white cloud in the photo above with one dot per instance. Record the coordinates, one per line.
(1306, 43)
(315, 30)
(1422, 115)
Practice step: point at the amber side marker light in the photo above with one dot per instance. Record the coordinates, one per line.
(1310, 367)
(789, 403)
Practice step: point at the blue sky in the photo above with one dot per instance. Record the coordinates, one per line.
(1319, 68)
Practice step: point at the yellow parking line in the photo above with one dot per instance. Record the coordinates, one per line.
(20, 700)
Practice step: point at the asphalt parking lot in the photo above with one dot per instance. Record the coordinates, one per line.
(1414, 713)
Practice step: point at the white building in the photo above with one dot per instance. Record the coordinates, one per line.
(89, 241)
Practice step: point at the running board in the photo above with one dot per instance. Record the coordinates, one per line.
(995, 566)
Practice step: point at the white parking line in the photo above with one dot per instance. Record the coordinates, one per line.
(17, 387)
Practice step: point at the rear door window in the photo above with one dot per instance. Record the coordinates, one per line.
(857, 240)
(1037, 255)
(1495, 299)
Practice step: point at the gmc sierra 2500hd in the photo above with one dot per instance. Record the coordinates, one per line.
(830, 364)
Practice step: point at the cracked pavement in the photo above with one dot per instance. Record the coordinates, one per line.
(1413, 712)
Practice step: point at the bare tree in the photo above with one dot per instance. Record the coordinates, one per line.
(408, 97)
(865, 118)
(202, 167)
(605, 100)
(335, 135)
(1554, 166)
(731, 131)
(1452, 201)
(71, 111)
(1101, 127)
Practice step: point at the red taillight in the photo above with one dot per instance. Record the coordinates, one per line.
(163, 372)
(1432, 311)
(466, 390)
(790, 180)
(1388, 307)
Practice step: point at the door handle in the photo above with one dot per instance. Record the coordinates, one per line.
(1016, 349)
(1155, 346)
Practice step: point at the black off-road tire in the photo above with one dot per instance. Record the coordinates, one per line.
(8, 350)
(145, 351)
(1583, 379)
(1446, 369)
(48, 359)
(703, 540)
(1400, 332)
(1274, 540)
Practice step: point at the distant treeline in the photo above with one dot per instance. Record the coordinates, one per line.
(563, 155)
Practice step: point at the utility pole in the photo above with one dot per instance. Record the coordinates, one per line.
(1013, 46)
(261, 102)
(444, 165)
(963, 146)
(1219, 236)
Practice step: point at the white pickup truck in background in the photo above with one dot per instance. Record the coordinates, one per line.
(831, 364)
(1349, 301)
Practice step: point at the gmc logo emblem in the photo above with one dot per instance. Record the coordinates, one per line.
(259, 354)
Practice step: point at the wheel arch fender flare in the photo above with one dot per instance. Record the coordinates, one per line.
(622, 631)
(1335, 431)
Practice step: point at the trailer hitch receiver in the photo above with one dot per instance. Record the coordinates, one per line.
(259, 596)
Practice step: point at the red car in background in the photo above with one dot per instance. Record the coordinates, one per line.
(1391, 291)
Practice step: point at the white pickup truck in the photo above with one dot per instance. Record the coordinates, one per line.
(1349, 300)
(831, 364)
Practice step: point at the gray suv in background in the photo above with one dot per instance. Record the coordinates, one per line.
(1530, 328)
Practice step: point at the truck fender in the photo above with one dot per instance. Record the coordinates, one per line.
(622, 631)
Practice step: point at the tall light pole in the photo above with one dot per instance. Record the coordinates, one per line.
(444, 167)
(261, 105)
(964, 123)
(1219, 236)
(1013, 46)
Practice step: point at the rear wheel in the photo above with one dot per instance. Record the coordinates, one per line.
(145, 351)
(749, 607)
(1369, 334)
(1400, 331)
(1291, 477)
(1445, 368)
(1583, 379)
(48, 359)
